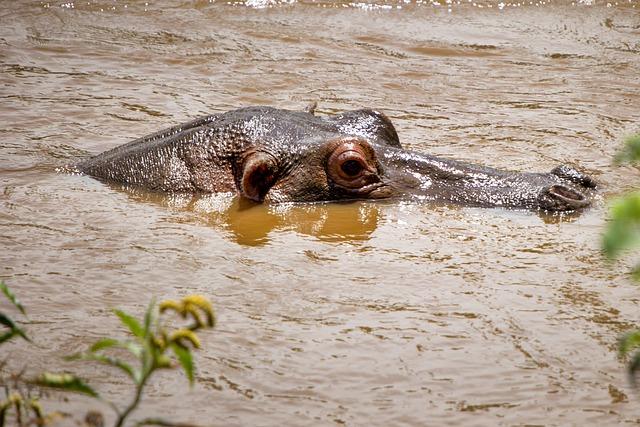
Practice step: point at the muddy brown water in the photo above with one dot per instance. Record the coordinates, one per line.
(384, 313)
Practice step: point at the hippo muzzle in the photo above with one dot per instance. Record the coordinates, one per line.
(432, 178)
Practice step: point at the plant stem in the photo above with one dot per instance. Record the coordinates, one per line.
(123, 415)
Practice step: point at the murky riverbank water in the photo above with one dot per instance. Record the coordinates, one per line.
(361, 313)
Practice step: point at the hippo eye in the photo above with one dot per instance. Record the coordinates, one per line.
(352, 168)
(352, 165)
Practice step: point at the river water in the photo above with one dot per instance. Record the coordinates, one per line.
(385, 313)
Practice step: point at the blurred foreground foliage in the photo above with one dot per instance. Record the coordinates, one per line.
(623, 230)
(630, 153)
(12, 328)
(154, 344)
(26, 408)
(622, 234)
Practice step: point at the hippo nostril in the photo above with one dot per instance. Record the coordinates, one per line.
(573, 175)
(560, 198)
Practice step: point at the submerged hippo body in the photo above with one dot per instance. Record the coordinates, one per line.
(273, 155)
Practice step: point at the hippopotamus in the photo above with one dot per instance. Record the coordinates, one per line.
(274, 155)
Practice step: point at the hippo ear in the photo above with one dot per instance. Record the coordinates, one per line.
(258, 176)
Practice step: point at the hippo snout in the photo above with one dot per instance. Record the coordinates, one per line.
(559, 197)
(574, 176)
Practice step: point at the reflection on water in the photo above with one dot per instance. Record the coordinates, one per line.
(250, 223)
(330, 314)
(331, 222)
(559, 217)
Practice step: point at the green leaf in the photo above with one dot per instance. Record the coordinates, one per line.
(131, 323)
(3, 415)
(66, 382)
(11, 297)
(628, 342)
(148, 317)
(6, 321)
(8, 335)
(36, 408)
(17, 408)
(623, 230)
(111, 361)
(633, 367)
(14, 329)
(185, 359)
(4, 406)
(630, 152)
(159, 422)
(105, 343)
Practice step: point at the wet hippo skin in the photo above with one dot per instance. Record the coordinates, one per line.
(273, 155)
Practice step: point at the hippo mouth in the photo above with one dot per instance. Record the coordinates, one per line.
(376, 190)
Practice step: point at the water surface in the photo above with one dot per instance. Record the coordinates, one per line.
(384, 313)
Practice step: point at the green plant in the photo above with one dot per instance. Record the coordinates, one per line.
(630, 153)
(623, 233)
(13, 329)
(623, 229)
(22, 406)
(154, 347)
(26, 408)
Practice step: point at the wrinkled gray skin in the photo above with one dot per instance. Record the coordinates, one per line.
(273, 155)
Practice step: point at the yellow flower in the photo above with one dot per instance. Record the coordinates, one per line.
(180, 335)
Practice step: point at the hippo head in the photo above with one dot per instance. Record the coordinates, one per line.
(366, 161)
(272, 155)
